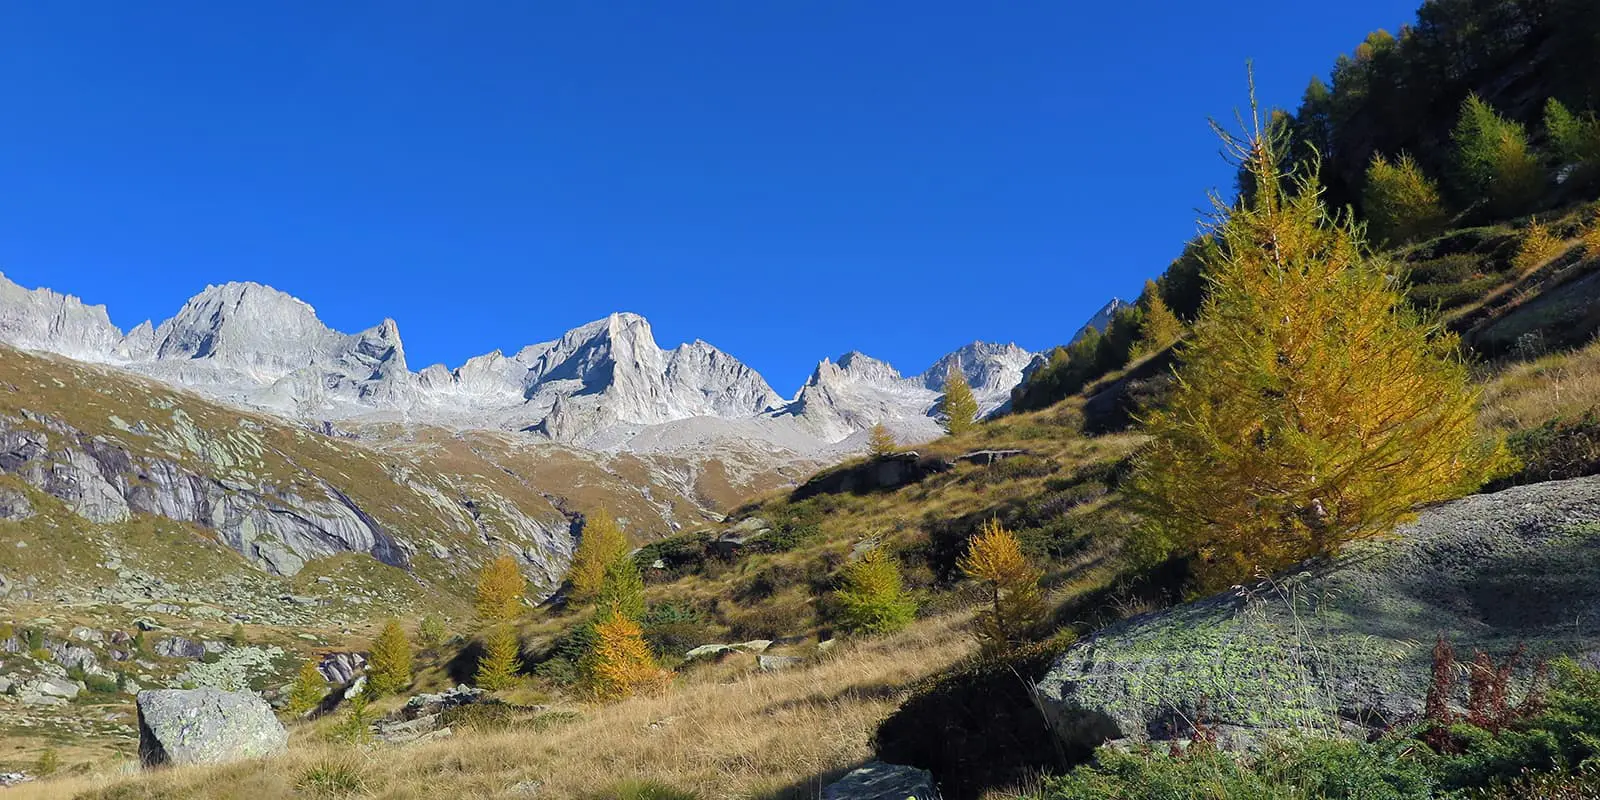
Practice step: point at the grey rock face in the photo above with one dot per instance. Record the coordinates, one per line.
(1101, 319)
(14, 505)
(341, 668)
(53, 686)
(880, 781)
(1347, 647)
(205, 726)
(179, 647)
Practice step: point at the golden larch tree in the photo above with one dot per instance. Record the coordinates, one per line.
(1015, 605)
(389, 662)
(498, 661)
(600, 544)
(1402, 205)
(1539, 244)
(960, 407)
(309, 688)
(621, 662)
(1158, 326)
(1313, 407)
(500, 590)
(873, 597)
(1591, 234)
(881, 442)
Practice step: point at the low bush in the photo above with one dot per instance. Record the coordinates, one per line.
(1556, 450)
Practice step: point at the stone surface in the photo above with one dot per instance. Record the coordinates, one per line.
(205, 726)
(777, 663)
(878, 474)
(53, 686)
(880, 781)
(1347, 646)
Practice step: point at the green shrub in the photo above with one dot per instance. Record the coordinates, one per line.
(643, 790)
(49, 761)
(673, 628)
(1556, 450)
(330, 779)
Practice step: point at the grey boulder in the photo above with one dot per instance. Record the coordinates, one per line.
(880, 781)
(205, 726)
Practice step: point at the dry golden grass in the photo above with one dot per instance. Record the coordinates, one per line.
(1559, 386)
(751, 735)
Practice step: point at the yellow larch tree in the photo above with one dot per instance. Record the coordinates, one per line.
(599, 546)
(1015, 605)
(500, 590)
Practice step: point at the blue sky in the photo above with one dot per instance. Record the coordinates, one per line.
(785, 180)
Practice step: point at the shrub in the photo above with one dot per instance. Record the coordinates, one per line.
(601, 544)
(236, 635)
(1538, 246)
(644, 790)
(1015, 607)
(1313, 407)
(1591, 236)
(675, 628)
(309, 688)
(331, 779)
(354, 727)
(389, 663)
(500, 590)
(873, 598)
(1556, 450)
(1402, 204)
(430, 631)
(49, 761)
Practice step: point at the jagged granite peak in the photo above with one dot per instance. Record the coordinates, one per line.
(992, 369)
(1101, 318)
(45, 320)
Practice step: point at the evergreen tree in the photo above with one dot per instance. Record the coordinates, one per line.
(1158, 327)
(1576, 139)
(1494, 159)
(602, 543)
(389, 663)
(881, 442)
(873, 598)
(1016, 606)
(309, 688)
(500, 590)
(1401, 204)
(621, 590)
(621, 662)
(960, 408)
(1313, 406)
(498, 661)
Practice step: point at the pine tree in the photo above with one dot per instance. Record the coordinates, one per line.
(1401, 204)
(602, 543)
(881, 442)
(1494, 159)
(873, 598)
(309, 688)
(960, 408)
(498, 661)
(621, 590)
(621, 662)
(500, 590)
(430, 631)
(1313, 406)
(1576, 139)
(1016, 606)
(389, 663)
(1158, 326)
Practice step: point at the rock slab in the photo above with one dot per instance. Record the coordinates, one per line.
(205, 726)
(880, 781)
(1345, 648)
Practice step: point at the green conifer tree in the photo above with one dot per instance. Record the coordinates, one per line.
(1313, 405)
(622, 590)
(873, 597)
(960, 407)
(389, 663)
(1495, 161)
(499, 659)
(1575, 138)
(309, 688)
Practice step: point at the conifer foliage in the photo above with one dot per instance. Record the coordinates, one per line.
(309, 688)
(1494, 159)
(881, 442)
(602, 544)
(1015, 604)
(389, 664)
(1158, 326)
(960, 407)
(1576, 138)
(1401, 203)
(497, 664)
(1312, 408)
(873, 597)
(622, 663)
(500, 590)
(621, 590)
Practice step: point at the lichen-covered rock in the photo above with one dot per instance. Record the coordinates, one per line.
(880, 781)
(1347, 646)
(205, 726)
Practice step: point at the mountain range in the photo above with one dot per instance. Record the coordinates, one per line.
(605, 385)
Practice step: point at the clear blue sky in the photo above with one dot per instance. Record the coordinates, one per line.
(786, 180)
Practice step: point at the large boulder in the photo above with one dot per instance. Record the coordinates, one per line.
(205, 726)
(880, 781)
(880, 473)
(1347, 646)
